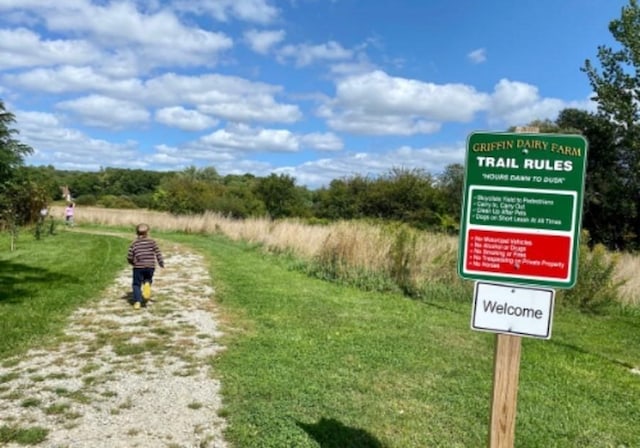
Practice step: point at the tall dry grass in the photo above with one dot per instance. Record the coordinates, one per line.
(628, 272)
(363, 247)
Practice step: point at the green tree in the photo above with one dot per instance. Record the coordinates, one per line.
(45, 176)
(605, 196)
(12, 151)
(544, 126)
(207, 174)
(343, 199)
(238, 198)
(237, 201)
(281, 197)
(406, 195)
(25, 197)
(450, 186)
(185, 195)
(18, 196)
(616, 84)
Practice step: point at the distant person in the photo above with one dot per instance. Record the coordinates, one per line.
(68, 214)
(42, 216)
(44, 212)
(143, 254)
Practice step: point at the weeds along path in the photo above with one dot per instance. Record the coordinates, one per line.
(126, 378)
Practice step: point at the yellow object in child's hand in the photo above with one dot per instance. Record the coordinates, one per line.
(146, 290)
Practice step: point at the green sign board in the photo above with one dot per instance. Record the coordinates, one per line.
(522, 208)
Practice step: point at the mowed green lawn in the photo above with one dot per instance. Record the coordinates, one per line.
(313, 364)
(43, 281)
(309, 364)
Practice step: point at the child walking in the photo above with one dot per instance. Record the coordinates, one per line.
(142, 255)
(68, 214)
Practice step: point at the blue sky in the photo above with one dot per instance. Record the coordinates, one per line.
(316, 89)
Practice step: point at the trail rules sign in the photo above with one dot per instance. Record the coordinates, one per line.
(522, 208)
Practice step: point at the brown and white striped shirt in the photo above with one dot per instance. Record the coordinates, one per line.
(144, 252)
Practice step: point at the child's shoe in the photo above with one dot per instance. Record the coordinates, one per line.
(136, 306)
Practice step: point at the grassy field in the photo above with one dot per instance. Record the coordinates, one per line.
(313, 364)
(43, 281)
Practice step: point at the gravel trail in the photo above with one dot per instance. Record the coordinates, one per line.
(123, 378)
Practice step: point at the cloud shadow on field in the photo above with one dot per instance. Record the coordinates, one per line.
(13, 277)
(331, 433)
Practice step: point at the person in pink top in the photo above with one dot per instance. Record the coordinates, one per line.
(68, 214)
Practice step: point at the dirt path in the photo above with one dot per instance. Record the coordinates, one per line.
(123, 377)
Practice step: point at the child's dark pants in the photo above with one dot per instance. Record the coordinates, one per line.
(141, 275)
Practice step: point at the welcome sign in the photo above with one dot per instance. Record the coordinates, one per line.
(512, 310)
(522, 208)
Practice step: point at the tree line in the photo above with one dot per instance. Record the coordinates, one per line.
(409, 195)
(424, 200)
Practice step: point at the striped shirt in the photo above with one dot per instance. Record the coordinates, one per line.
(143, 253)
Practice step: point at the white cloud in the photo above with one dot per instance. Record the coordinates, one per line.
(262, 41)
(159, 38)
(226, 97)
(478, 56)
(190, 154)
(102, 111)
(305, 54)
(170, 157)
(517, 103)
(377, 92)
(68, 79)
(362, 123)
(322, 171)
(71, 149)
(261, 108)
(26, 4)
(244, 138)
(511, 95)
(378, 104)
(238, 139)
(121, 23)
(187, 120)
(31, 121)
(24, 48)
(257, 11)
(322, 141)
(351, 68)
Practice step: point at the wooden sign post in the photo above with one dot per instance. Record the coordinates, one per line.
(506, 372)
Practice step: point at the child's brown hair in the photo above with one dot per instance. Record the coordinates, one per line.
(142, 229)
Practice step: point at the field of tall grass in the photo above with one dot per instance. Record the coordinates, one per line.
(409, 258)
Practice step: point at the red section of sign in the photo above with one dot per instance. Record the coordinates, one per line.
(518, 254)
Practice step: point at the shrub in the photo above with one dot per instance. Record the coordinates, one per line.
(347, 256)
(596, 287)
(110, 201)
(143, 200)
(86, 199)
(402, 258)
